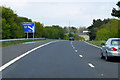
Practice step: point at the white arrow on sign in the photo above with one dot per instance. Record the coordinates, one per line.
(31, 28)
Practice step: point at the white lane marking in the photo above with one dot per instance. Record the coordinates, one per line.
(73, 47)
(76, 50)
(102, 74)
(71, 42)
(93, 45)
(81, 56)
(19, 57)
(91, 65)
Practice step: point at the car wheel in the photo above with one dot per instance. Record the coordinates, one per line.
(107, 58)
(102, 57)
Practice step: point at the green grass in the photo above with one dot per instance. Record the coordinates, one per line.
(98, 43)
(7, 43)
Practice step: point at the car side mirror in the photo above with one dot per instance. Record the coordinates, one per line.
(103, 44)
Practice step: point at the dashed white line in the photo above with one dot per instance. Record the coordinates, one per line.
(102, 74)
(76, 50)
(91, 65)
(19, 57)
(81, 56)
(71, 42)
(73, 47)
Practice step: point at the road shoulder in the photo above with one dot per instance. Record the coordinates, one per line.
(93, 45)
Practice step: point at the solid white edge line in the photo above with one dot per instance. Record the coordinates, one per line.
(14, 60)
(91, 65)
(81, 56)
(93, 45)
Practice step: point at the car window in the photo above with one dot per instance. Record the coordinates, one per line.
(115, 42)
(107, 43)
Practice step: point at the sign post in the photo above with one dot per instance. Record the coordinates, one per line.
(29, 28)
(33, 35)
(27, 35)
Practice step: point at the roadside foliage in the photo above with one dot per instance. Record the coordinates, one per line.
(107, 28)
(11, 27)
(99, 30)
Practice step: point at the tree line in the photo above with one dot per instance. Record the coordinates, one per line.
(107, 28)
(99, 30)
(104, 29)
(11, 27)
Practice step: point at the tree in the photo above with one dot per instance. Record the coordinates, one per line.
(96, 26)
(109, 30)
(0, 22)
(54, 32)
(39, 30)
(11, 27)
(5, 29)
(116, 12)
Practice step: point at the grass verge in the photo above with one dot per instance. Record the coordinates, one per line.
(7, 43)
(98, 43)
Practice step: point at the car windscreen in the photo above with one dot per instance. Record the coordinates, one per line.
(115, 42)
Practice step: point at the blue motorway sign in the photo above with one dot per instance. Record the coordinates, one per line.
(29, 27)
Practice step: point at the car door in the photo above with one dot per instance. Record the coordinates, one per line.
(105, 47)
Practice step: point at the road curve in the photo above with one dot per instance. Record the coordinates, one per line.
(63, 59)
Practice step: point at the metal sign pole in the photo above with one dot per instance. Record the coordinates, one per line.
(29, 28)
(33, 31)
(27, 35)
(33, 35)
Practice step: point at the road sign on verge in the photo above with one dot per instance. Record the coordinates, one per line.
(29, 27)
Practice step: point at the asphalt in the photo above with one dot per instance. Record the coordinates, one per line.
(13, 51)
(61, 60)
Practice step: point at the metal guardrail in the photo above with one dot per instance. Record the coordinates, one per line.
(19, 39)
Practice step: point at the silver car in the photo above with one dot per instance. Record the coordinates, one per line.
(111, 48)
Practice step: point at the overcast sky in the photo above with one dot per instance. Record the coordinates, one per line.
(60, 12)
